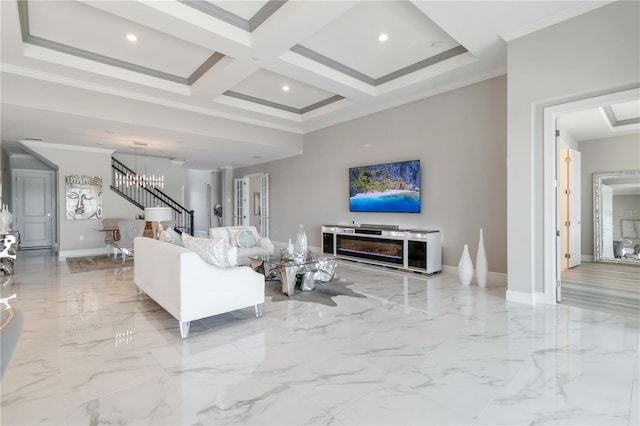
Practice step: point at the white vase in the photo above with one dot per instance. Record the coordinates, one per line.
(301, 241)
(5, 219)
(465, 267)
(482, 266)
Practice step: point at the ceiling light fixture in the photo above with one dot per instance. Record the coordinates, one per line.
(383, 37)
(132, 37)
(131, 178)
(286, 88)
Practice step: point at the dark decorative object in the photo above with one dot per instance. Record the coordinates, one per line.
(323, 293)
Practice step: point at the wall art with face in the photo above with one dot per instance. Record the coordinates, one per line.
(84, 197)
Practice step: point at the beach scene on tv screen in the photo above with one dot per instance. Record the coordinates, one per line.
(392, 187)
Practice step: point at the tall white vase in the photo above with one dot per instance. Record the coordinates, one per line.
(482, 266)
(465, 267)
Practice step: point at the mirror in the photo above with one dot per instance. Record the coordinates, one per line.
(616, 216)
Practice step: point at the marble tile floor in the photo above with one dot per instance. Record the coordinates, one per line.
(417, 351)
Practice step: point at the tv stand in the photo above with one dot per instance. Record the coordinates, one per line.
(408, 249)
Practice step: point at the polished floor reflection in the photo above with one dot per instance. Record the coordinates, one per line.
(417, 350)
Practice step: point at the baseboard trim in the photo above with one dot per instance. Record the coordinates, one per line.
(520, 297)
(82, 252)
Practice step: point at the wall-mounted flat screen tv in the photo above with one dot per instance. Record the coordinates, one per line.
(391, 187)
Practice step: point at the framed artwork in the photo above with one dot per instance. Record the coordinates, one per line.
(630, 228)
(83, 197)
(256, 203)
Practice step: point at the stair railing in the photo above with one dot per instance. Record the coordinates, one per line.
(123, 182)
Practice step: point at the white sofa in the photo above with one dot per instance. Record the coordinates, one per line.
(188, 287)
(230, 234)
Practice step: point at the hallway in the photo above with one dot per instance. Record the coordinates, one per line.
(605, 287)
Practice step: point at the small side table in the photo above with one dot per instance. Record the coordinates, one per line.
(9, 245)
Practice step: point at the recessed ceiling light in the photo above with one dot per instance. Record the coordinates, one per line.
(383, 37)
(285, 88)
(132, 37)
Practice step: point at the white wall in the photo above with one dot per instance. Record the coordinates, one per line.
(587, 56)
(459, 138)
(603, 155)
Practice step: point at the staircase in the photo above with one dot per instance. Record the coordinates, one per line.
(144, 196)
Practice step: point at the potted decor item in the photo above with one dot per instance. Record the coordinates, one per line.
(301, 241)
(465, 267)
(5, 219)
(482, 266)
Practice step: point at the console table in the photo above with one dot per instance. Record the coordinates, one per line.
(409, 249)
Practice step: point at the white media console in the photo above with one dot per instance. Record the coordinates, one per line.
(410, 249)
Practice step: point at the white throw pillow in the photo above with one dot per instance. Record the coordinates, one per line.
(246, 239)
(220, 233)
(216, 252)
(233, 234)
(169, 235)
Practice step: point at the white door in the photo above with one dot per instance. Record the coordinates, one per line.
(34, 210)
(241, 205)
(264, 206)
(575, 215)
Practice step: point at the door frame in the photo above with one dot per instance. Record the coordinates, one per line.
(55, 229)
(550, 179)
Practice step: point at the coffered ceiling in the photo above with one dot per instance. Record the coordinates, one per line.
(231, 83)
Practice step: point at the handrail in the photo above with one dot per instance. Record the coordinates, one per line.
(142, 196)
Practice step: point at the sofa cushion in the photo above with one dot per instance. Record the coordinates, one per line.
(216, 252)
(170, 236)
(220, 233)
(246, 239)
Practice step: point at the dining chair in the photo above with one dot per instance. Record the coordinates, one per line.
(129, 230)
(110, 229)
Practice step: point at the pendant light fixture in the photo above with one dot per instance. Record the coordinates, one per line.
(137, 179)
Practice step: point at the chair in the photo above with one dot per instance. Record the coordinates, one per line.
(129, 229)
(110, 229)
(618, 249)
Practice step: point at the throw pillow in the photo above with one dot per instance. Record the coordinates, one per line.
(219, 233)
(169, 235)
(246, 239)
(233, 234)
(216, 252)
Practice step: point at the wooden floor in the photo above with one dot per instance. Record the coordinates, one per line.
(603, 287)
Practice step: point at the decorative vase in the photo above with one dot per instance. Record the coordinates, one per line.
(5, 219)
(301, 241)
(482, 266)
(465, 267)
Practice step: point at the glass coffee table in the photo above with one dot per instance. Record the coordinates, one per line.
(315, 268)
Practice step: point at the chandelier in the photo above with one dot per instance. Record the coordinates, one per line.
(140, 180)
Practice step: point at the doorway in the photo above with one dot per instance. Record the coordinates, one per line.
(34, 205)
(557, 235)
(251, 202)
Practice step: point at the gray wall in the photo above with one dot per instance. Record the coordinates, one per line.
(459, 138)
(625, 207)
(174, 178)
(72, 160)
(196, 198)
(603, 155)
(587, 56)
